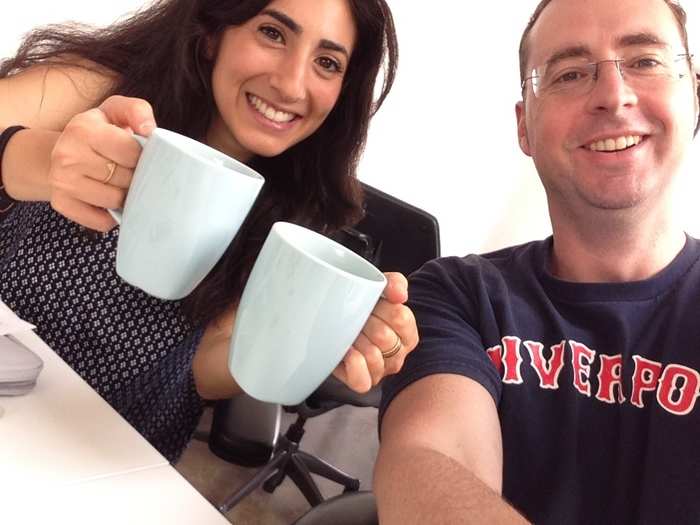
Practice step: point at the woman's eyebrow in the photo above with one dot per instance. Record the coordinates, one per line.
(286, 20)
(334, 46)
(283, 19)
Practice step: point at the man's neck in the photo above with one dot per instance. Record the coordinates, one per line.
(619, 251)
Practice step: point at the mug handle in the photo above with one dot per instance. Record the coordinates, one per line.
(117, 215)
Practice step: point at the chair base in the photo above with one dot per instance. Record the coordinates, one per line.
(288, 461)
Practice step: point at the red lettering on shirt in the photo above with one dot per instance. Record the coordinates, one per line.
(548, 370)
(512, 360)
(645, 378)
(495, 353)
(678, 389)
(581, 359)
(609, 377)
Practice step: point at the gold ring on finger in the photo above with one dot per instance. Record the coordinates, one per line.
(111, 168)
(394, 349)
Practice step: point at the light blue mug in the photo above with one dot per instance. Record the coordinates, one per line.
(305, 302)
(184, 207)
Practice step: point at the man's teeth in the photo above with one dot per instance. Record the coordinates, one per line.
(269, 112)
(616, 144)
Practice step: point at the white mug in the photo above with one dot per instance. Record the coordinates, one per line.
(184, 207)
(305, 302)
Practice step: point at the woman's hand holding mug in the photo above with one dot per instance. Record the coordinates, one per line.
(387, 337)
(307, 300)
(186, 201)
(93, 161)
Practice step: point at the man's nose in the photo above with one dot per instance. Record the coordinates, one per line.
(610, 91)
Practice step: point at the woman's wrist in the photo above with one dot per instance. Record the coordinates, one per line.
(25, 164)
(6, 201)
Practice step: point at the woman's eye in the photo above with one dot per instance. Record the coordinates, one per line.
(272, 33)
(329, 64)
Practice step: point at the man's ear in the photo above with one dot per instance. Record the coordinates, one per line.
(522, 128)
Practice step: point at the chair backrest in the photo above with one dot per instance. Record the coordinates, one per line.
(394, 235)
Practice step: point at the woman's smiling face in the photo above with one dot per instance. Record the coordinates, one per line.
(278, 76)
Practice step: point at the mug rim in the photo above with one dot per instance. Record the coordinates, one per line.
(239, 167)
(378, 276)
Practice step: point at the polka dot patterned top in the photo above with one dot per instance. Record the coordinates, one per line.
(134, 350)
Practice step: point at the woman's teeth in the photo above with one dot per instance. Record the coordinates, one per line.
(269, 112)
(615, 144)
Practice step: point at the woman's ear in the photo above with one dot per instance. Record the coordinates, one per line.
(211, 46)
(520, 114)
(208, 45)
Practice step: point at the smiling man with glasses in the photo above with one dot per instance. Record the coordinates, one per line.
(560, 378)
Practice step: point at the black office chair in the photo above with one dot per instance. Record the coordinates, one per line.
(393, 235)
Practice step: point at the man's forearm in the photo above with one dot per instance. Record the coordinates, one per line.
(26, 162)
(422, 486)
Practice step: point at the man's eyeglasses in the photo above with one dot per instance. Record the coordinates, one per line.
(573, 78)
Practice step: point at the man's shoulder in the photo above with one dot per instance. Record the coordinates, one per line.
(520, 258)
(518, 254)
(473, 278)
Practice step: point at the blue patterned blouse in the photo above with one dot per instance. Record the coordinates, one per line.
(134, 350)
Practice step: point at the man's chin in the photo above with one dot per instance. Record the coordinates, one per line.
(612, 202)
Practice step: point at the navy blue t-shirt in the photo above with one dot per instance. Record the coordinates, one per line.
(596, 384)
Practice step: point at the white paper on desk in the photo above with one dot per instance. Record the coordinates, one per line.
(11, 324)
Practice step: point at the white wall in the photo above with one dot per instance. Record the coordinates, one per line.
(445, 139)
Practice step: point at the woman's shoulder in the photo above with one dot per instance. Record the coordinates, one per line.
(47, 95)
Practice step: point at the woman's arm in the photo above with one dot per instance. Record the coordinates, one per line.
(44, 99)
(210, 363)
(70, 149)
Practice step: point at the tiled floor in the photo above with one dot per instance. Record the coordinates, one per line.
(345, 437)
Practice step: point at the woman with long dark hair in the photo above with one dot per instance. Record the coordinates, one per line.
(284, 85)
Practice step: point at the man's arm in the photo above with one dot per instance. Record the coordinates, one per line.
(441, 456)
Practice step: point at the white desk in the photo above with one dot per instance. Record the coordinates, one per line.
(67, 457)
(153, 496)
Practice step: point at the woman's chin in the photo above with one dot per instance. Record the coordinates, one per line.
(266, 149)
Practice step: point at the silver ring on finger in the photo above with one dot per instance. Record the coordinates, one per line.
(394, 349)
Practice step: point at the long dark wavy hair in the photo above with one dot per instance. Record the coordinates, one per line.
(160, 54)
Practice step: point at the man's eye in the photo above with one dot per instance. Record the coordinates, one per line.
(645, 63)
(329, 64)
(272, 33)
(570, 76)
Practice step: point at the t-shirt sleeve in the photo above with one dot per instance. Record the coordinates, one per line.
(444, 296)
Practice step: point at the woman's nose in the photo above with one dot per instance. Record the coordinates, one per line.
(289, 80)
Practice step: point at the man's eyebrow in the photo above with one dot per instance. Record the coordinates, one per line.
(640, 39)
(576, 51)
(282, 19)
